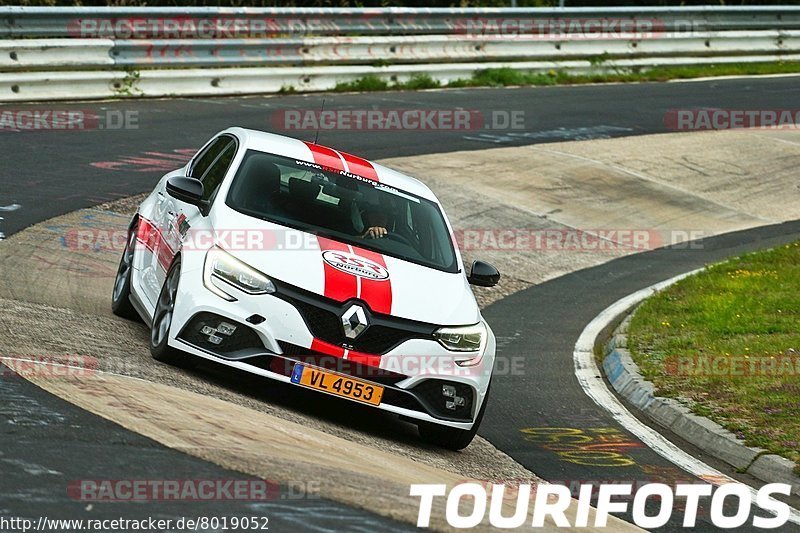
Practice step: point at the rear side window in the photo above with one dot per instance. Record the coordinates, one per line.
(213, 177)
(208, 156)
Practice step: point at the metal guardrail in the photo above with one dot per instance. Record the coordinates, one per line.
(130, 51)
(115, 22)
(45, 54)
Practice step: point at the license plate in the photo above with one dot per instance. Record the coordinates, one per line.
(337, 384)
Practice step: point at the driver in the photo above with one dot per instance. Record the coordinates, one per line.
(376, 223)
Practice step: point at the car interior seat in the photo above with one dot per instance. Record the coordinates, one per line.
(260, 184)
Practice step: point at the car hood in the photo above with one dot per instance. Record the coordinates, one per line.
(327, 267)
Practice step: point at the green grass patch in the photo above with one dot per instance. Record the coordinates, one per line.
(374, 83)
(504, 77)
(418, 82)
(366, 83)
(727, 341)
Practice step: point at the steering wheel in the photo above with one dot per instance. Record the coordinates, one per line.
(399, 238)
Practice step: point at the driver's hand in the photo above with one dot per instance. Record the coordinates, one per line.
(375, 232)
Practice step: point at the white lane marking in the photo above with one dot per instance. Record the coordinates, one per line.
(7, 209)
(32, 469)
(734, 77)
(591, 381)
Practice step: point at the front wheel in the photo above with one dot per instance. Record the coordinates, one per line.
(121, 297)
(162, 322)
(452, 438)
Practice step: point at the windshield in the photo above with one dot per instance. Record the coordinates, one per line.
(344, 207)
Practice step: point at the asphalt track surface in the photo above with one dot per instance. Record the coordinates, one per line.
(541, 326)
(49, 173)
(49, 443)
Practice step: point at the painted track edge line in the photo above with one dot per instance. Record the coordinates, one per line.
(592, 383)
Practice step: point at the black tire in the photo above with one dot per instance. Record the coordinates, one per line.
(121, 294)
(452, 438)
(162, 323)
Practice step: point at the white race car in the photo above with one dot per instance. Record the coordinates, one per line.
(311, 266)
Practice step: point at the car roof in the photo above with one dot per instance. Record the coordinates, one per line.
(315, 153)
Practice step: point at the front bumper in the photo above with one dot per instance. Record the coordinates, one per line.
(271, 336)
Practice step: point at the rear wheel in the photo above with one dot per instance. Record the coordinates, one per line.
(162, 322)
(121, 296)
(452, 438)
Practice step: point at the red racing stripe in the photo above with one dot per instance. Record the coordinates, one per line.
(364, 359)
(377, 293)
(360, 167)
(339, 285)
(325, 156)
(326, 348)
(336, 351)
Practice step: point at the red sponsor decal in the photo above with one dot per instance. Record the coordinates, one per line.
(356, 273)
(339, 285)
(152, 239)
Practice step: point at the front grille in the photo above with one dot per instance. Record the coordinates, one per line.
(323, 319)
(322, 323)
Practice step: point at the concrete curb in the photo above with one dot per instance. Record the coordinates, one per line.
(716, 441)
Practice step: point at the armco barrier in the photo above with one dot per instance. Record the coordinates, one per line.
(67, 21)
(51, 53)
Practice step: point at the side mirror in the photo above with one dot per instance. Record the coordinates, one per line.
(189, 190)
(483, 274)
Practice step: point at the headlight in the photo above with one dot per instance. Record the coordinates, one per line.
(222, 268)
(463, 339)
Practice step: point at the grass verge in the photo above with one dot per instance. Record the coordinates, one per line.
(375, 83)
(727, 341)
(502, 77)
